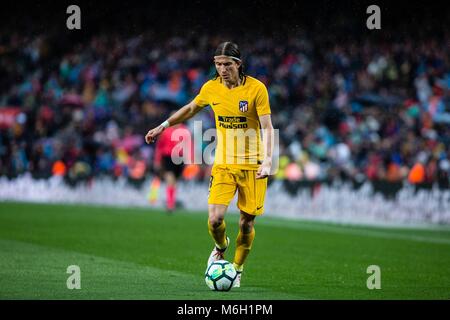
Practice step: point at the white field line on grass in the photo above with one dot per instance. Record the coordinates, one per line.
(354, 229)
(332, 204)
(112, 266)
(342, 229)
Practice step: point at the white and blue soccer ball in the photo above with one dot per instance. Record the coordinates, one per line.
(220, 275)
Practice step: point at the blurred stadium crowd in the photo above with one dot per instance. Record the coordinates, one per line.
(350, 110)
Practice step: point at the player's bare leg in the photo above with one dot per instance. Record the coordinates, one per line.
(216, 227)
(244, 243)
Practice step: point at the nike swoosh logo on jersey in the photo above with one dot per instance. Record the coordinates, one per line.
(216, 103)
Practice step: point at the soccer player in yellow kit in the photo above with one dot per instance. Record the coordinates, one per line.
(242, 162)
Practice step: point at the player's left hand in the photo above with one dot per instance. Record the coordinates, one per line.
(263, 170)
(152, 134)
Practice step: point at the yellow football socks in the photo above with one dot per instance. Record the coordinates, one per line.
(243, 245)
(218, 235)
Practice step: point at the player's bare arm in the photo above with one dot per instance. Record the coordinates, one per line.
(267, 128)
(183, 114)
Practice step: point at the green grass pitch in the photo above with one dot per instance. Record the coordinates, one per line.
(137, 253)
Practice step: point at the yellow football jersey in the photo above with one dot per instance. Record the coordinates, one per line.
(236, 113)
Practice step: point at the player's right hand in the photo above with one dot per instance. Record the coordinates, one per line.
(152, 134)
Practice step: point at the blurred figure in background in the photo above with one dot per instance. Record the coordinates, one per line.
(170, 157)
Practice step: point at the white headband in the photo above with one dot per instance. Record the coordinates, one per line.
(224, 56)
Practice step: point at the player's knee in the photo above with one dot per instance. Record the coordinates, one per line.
(246, 224)
(215, 221)
(170, 178)
(216, 216)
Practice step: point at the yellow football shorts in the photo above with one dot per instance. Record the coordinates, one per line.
(224, 182)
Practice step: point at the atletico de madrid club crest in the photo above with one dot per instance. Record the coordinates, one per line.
(243, 106)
